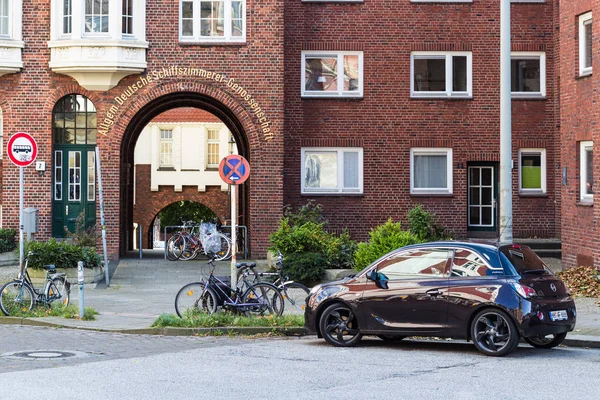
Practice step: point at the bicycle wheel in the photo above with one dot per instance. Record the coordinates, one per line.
(225, 252)
(175, 246)
(59, 289)
(294, 294)
(16, 298)
(194, 298)
(190, 250)
(264, 299)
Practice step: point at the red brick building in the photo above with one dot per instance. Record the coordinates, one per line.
(579, 116)
(369, 107)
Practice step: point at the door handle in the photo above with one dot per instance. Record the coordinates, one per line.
(66, 210)
(434, 292)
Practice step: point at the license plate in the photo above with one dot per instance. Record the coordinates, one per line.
(558, 315)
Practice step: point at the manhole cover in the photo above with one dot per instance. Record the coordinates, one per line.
(44, 354)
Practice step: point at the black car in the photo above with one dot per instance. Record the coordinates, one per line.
(492, 295)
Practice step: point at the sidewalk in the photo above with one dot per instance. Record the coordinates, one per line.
(141, 290)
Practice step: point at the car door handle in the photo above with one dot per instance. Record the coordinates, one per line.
(434, 292)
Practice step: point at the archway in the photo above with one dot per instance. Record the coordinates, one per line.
(133, 131)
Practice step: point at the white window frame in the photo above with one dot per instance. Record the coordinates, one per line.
(340, 74)
(62, 17)
(542, 154)
(447, 55)
(131, 17)
(535, 55)
(339, 190)
(228, 26)
(160, 143)
(94, 33)
(431, 151)
(584, 19)
(583, 146)
(8, 19)
(1, 135)
(216, 141)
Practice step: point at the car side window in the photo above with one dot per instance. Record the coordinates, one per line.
(467, 263)
(417, 263)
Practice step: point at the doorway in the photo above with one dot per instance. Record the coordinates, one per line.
(482, 194)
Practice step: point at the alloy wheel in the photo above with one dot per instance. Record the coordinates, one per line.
(494, 333)
(339, 326)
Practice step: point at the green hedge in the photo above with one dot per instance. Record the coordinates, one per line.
(8, 241)
(61, 254)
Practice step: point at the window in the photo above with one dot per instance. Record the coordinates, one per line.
(58, 159)
(430, 171)
(4, 18)
(332, 170)
(332, 74)
(532, 171)
(74, 120)
(440, 74)
(96, 16)
(416, 263)
(585, 44)
(212, 20)
(1, 135)
(166, 148)
(213, 148)
(74, 176)
(528, 74)
(91, 176)
(466, 263)
(127, 23)
(67, 17)
(586, 171)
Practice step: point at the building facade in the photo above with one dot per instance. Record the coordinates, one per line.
(368, 107)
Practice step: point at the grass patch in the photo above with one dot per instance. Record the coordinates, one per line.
(58, 310)
(196, 319)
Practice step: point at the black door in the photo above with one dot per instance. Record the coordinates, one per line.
(482, 191)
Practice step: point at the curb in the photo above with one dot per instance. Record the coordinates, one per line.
(588, 342)
(167, 331)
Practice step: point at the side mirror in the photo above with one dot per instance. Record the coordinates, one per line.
(381, 281)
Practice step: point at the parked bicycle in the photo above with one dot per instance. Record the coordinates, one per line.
(195, 239)
(294, 293)
(208, 295)
(19, 295)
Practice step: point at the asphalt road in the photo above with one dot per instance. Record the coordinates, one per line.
(116, 366)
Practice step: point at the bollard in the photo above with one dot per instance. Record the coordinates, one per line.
(80, 278)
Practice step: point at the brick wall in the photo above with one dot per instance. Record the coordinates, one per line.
(386, 123)
(579, 117)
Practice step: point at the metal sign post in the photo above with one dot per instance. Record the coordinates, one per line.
(80, 279)
(22, 151)
(101, 198)
(234, 170)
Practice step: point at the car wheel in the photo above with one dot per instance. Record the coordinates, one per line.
(546, 342)
(339, 326)
(494, 333)
(391, 338)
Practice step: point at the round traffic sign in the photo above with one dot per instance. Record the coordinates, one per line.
(22, 149)
(234, 169)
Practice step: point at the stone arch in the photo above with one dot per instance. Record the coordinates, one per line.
(143, 107)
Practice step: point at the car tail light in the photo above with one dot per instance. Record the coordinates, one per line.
(524, 291)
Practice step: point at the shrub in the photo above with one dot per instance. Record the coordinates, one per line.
(384, 238)
(305, 267)
(422, 225)
(310, 212)
(83, 235)
(7, 240)
(61, 254)
(307, 237)
(339, 250)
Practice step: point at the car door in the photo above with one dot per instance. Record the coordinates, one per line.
(416, 297)
(473, 280)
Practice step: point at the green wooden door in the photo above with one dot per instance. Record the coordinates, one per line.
(74, 187)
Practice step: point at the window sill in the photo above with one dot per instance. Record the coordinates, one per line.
(336, 194)
(431, 195)
(532, 97)
(583, 76)
(584, 204)
(166, 169)
(525, 194)
(212, 44)
(210, 169)
(190, 170)
(419, 97)
(333, 97)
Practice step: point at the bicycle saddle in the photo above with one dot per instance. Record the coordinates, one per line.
(50, 268)
(245, 265)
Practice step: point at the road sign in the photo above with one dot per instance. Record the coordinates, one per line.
(234, 169)
(22, 149)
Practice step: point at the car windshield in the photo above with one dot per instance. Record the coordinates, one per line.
(524, 260)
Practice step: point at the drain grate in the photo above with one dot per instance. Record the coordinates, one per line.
(44, 354)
